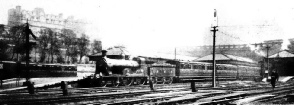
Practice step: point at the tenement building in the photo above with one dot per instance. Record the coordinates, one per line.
(38, 20)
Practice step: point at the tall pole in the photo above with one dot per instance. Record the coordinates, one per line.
(28, 31)
(213, 57)
(27, 51)
(213, 50)
(267, 50)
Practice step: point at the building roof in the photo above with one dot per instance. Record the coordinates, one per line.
(225, 57)
(169, 56)
(282, 54)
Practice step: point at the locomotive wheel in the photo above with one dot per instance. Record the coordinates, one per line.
(116, 82)
(168, 80)
(127, 81)
(103, 82)
(140, 81)
(161, 80)
(154, 80)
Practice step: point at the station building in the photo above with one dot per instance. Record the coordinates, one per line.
(282, 62)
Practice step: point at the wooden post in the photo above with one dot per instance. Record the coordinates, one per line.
(1, 82)
(193, 86)
(64, 88)
(1, 69)
(150, 79)
(31, 87)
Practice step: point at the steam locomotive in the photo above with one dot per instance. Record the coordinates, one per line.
(135, 71)
(139, 70)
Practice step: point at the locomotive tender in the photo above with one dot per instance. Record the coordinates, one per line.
(139, 70)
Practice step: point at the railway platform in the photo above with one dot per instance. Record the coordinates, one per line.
(17, 83)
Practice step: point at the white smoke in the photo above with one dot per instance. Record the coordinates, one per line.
(252, 47)
(285, 44)
(256, 49)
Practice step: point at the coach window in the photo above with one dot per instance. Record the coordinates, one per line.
(182, 66)
(218, 67)
(209, 67)
(202, 67)
(187, 66)
(195, 66)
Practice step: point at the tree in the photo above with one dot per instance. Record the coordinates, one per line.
(3, 32)
(82, 44)
(43, 45)
(18, 40)
(3, 50)
(50, 44)
(72, 50)
(55, 46)
(68, 40)
(96, 46)
(3, 43)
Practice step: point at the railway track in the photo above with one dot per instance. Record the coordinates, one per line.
(268, 96)
(164, 95)
(81, 94)
(255, 95)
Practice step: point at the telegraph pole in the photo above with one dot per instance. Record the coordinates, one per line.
(28, 44)
(213, 51)
(267, 51)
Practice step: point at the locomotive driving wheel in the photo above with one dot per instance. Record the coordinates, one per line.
(103, 82)
(168, 80)
(116, 82)
(154, 80)
(127, 81)
(140, 81)
(161, 80)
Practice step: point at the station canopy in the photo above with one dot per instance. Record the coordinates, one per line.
(282, 54)
(226, 58)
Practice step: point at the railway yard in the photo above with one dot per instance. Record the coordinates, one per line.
(154, 53)
(227, 92)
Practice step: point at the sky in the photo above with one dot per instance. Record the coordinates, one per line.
(145, 25)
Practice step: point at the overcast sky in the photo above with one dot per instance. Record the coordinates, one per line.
(148, 24)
